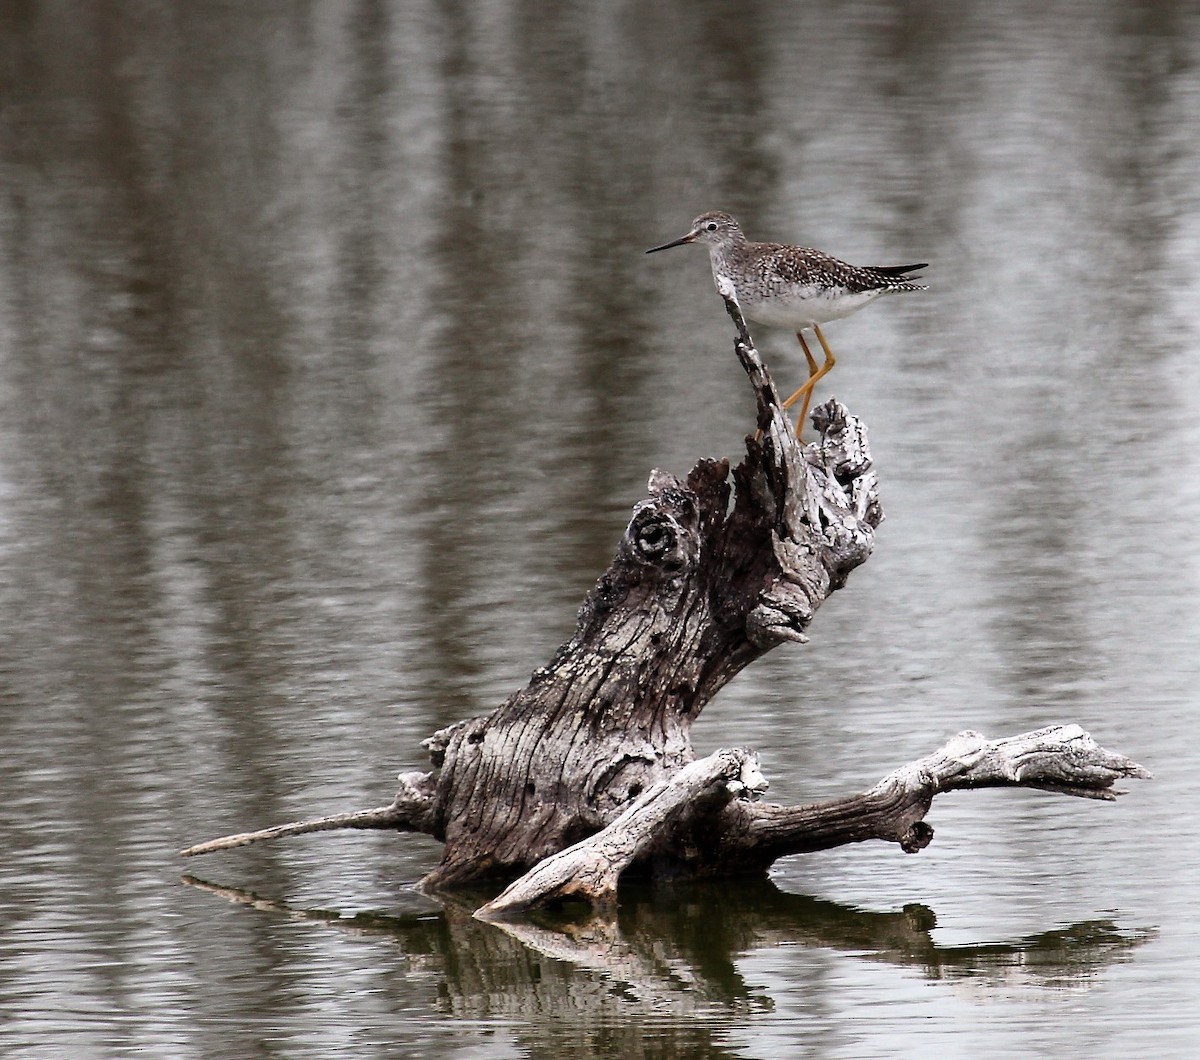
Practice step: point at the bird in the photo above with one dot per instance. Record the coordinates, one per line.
(792, 287)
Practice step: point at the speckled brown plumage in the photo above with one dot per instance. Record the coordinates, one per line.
(807, 267)
(788, 286)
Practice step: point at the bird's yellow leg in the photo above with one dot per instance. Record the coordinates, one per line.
(812, 361)
(807, 389)
(812, 370)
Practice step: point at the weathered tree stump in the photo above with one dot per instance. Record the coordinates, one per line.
(589, 770)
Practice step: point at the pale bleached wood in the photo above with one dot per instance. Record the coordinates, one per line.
(590, 869)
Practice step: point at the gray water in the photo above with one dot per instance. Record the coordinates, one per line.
(330, 370)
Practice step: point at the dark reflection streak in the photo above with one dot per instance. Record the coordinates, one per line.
(360, 270)
(904, 938)
(241, 465)
(471, 380)
(84, 416)
(237, 467)
(1043, 567)
(601, 181)
(734, 74)
(1153, 50)
(917, 48)
(675, 952)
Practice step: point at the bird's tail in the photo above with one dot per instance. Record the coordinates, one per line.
(901, 272)
(898, 277)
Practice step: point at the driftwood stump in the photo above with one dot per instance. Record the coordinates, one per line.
(588, 771)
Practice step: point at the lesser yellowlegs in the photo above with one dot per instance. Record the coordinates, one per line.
(791, 287)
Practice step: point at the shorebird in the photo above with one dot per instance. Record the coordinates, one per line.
(792, 287)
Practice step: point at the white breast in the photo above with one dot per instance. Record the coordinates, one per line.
(802, 307)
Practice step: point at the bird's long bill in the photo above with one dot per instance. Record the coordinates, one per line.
(689, 238)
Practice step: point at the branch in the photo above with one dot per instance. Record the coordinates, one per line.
(1060, 758)
(409, 812)
(773, 421)
(590, 869)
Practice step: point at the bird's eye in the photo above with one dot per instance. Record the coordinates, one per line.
(711, 226)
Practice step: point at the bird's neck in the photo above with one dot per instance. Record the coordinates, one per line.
(721, 255)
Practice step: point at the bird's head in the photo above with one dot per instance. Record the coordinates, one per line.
(715, 228)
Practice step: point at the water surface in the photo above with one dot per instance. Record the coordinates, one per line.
(330, 370)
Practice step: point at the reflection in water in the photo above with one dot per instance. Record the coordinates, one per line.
(331, 366)
(680, 953)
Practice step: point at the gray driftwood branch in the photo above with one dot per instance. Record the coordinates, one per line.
(409, 812)
(588, 771)
(1061, 758)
